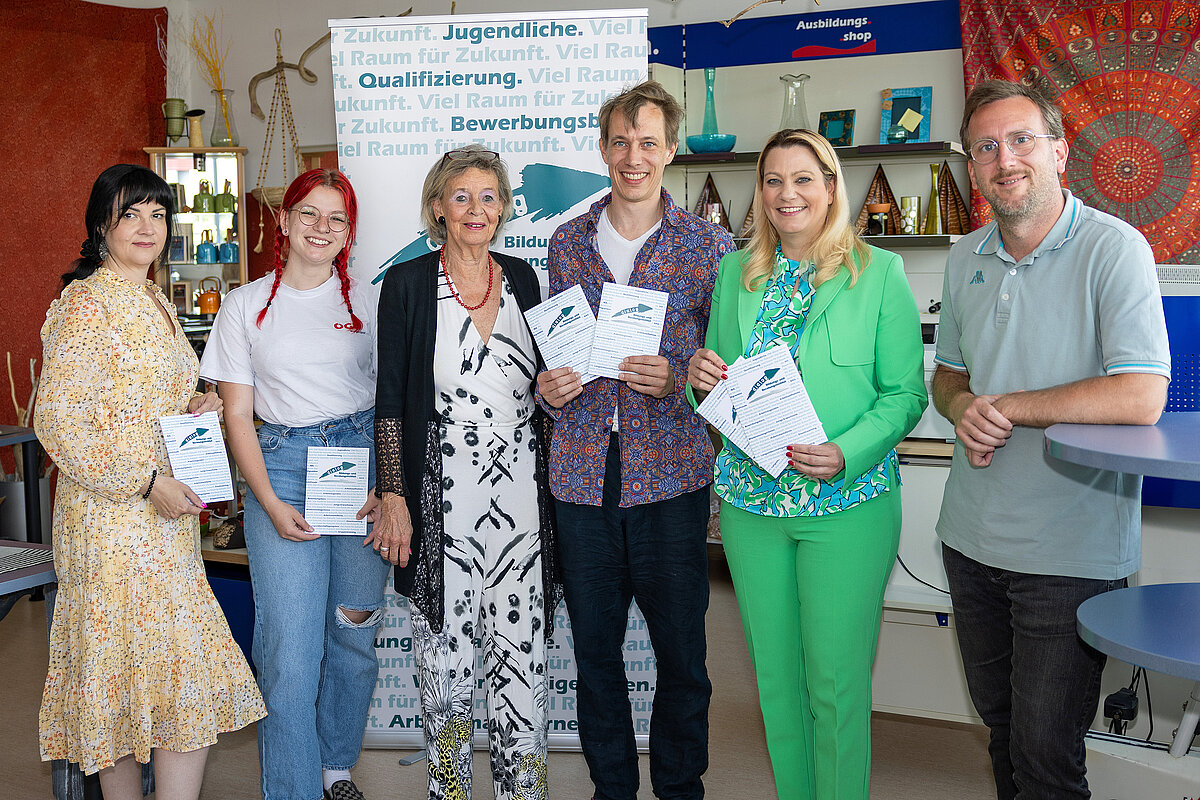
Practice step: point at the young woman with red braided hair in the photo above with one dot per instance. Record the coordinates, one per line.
(297, 348)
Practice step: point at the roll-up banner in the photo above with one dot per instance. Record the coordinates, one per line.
(407, 90)
(529, 86)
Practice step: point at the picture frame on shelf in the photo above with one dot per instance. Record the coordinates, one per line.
(181, 251)
(837, 127)
(177, 253)
(911, 108)
(181, 296)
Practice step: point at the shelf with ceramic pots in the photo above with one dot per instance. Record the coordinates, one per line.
(861, 151)
(209, 232)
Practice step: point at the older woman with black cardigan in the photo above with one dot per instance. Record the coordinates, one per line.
(466, 512)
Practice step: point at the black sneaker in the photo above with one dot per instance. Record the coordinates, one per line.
(343, 790)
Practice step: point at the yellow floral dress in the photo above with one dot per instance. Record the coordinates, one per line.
(140, 653)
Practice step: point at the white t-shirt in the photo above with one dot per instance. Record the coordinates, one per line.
(305, 364)
(618, 252)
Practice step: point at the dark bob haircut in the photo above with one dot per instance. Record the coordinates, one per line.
(118, 188)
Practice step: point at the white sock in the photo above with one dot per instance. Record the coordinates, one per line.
(332, 776)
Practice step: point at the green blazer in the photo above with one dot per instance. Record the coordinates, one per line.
(860, 354)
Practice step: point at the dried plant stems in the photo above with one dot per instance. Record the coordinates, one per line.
(172, 57)
(211, 49)
(24, 415)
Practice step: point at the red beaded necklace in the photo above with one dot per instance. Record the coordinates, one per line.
(450, 283)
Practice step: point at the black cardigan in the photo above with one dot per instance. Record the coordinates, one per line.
(406, 427)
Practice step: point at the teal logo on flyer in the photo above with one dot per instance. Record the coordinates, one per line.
(196, 437)
(640, 308)
(767, 375)
(340, 471)
(563, 316)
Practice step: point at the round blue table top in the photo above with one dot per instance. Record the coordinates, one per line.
(1155, 626)
(1170, 449)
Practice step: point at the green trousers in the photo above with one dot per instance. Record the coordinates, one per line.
(810, 591)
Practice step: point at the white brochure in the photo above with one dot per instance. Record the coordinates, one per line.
(336, 489)
(773, 406)
(563, 327)
(197, 452)
(718, 409)
(630, 323)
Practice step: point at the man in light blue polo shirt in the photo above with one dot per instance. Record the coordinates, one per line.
(1050, 314)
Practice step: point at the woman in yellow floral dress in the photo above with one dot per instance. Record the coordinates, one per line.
(141, 657)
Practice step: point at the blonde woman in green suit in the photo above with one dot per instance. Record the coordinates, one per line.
(810, 551)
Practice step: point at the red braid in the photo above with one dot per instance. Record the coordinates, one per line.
(280, 244)
(339, 265)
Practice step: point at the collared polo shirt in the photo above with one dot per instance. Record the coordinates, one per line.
(1085, 303)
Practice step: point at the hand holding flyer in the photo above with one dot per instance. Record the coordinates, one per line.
(773, 407)
(196, 449)
(630, 323)
(563, 328)
(335, 490)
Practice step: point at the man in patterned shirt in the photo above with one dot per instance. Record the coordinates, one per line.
(630, 462)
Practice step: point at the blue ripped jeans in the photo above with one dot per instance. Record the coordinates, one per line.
(316, 669)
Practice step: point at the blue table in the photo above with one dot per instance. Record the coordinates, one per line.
(17, 577)
(1170, 449)
(31, 464)
(1155, 626)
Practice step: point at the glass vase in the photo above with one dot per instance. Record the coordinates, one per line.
(224, 131)
(933, 213)
(710, 104)
(795, 110)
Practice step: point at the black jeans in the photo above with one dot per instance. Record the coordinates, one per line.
(1032, 679)
(654, 553)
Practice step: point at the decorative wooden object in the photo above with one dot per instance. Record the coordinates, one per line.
(281, 110)
(747, 224)
(880, 192)
(709, 206)
(956, 221)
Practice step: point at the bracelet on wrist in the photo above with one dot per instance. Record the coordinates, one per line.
(149, 486)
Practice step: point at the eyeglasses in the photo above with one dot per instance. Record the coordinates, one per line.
(310, 216)
(486, 156)
(1021, 143)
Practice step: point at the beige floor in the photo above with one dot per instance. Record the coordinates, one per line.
(916, 759)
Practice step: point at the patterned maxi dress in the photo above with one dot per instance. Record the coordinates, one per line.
(492, 560)
(140, 653)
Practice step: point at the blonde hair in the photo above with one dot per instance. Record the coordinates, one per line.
(834, 247)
